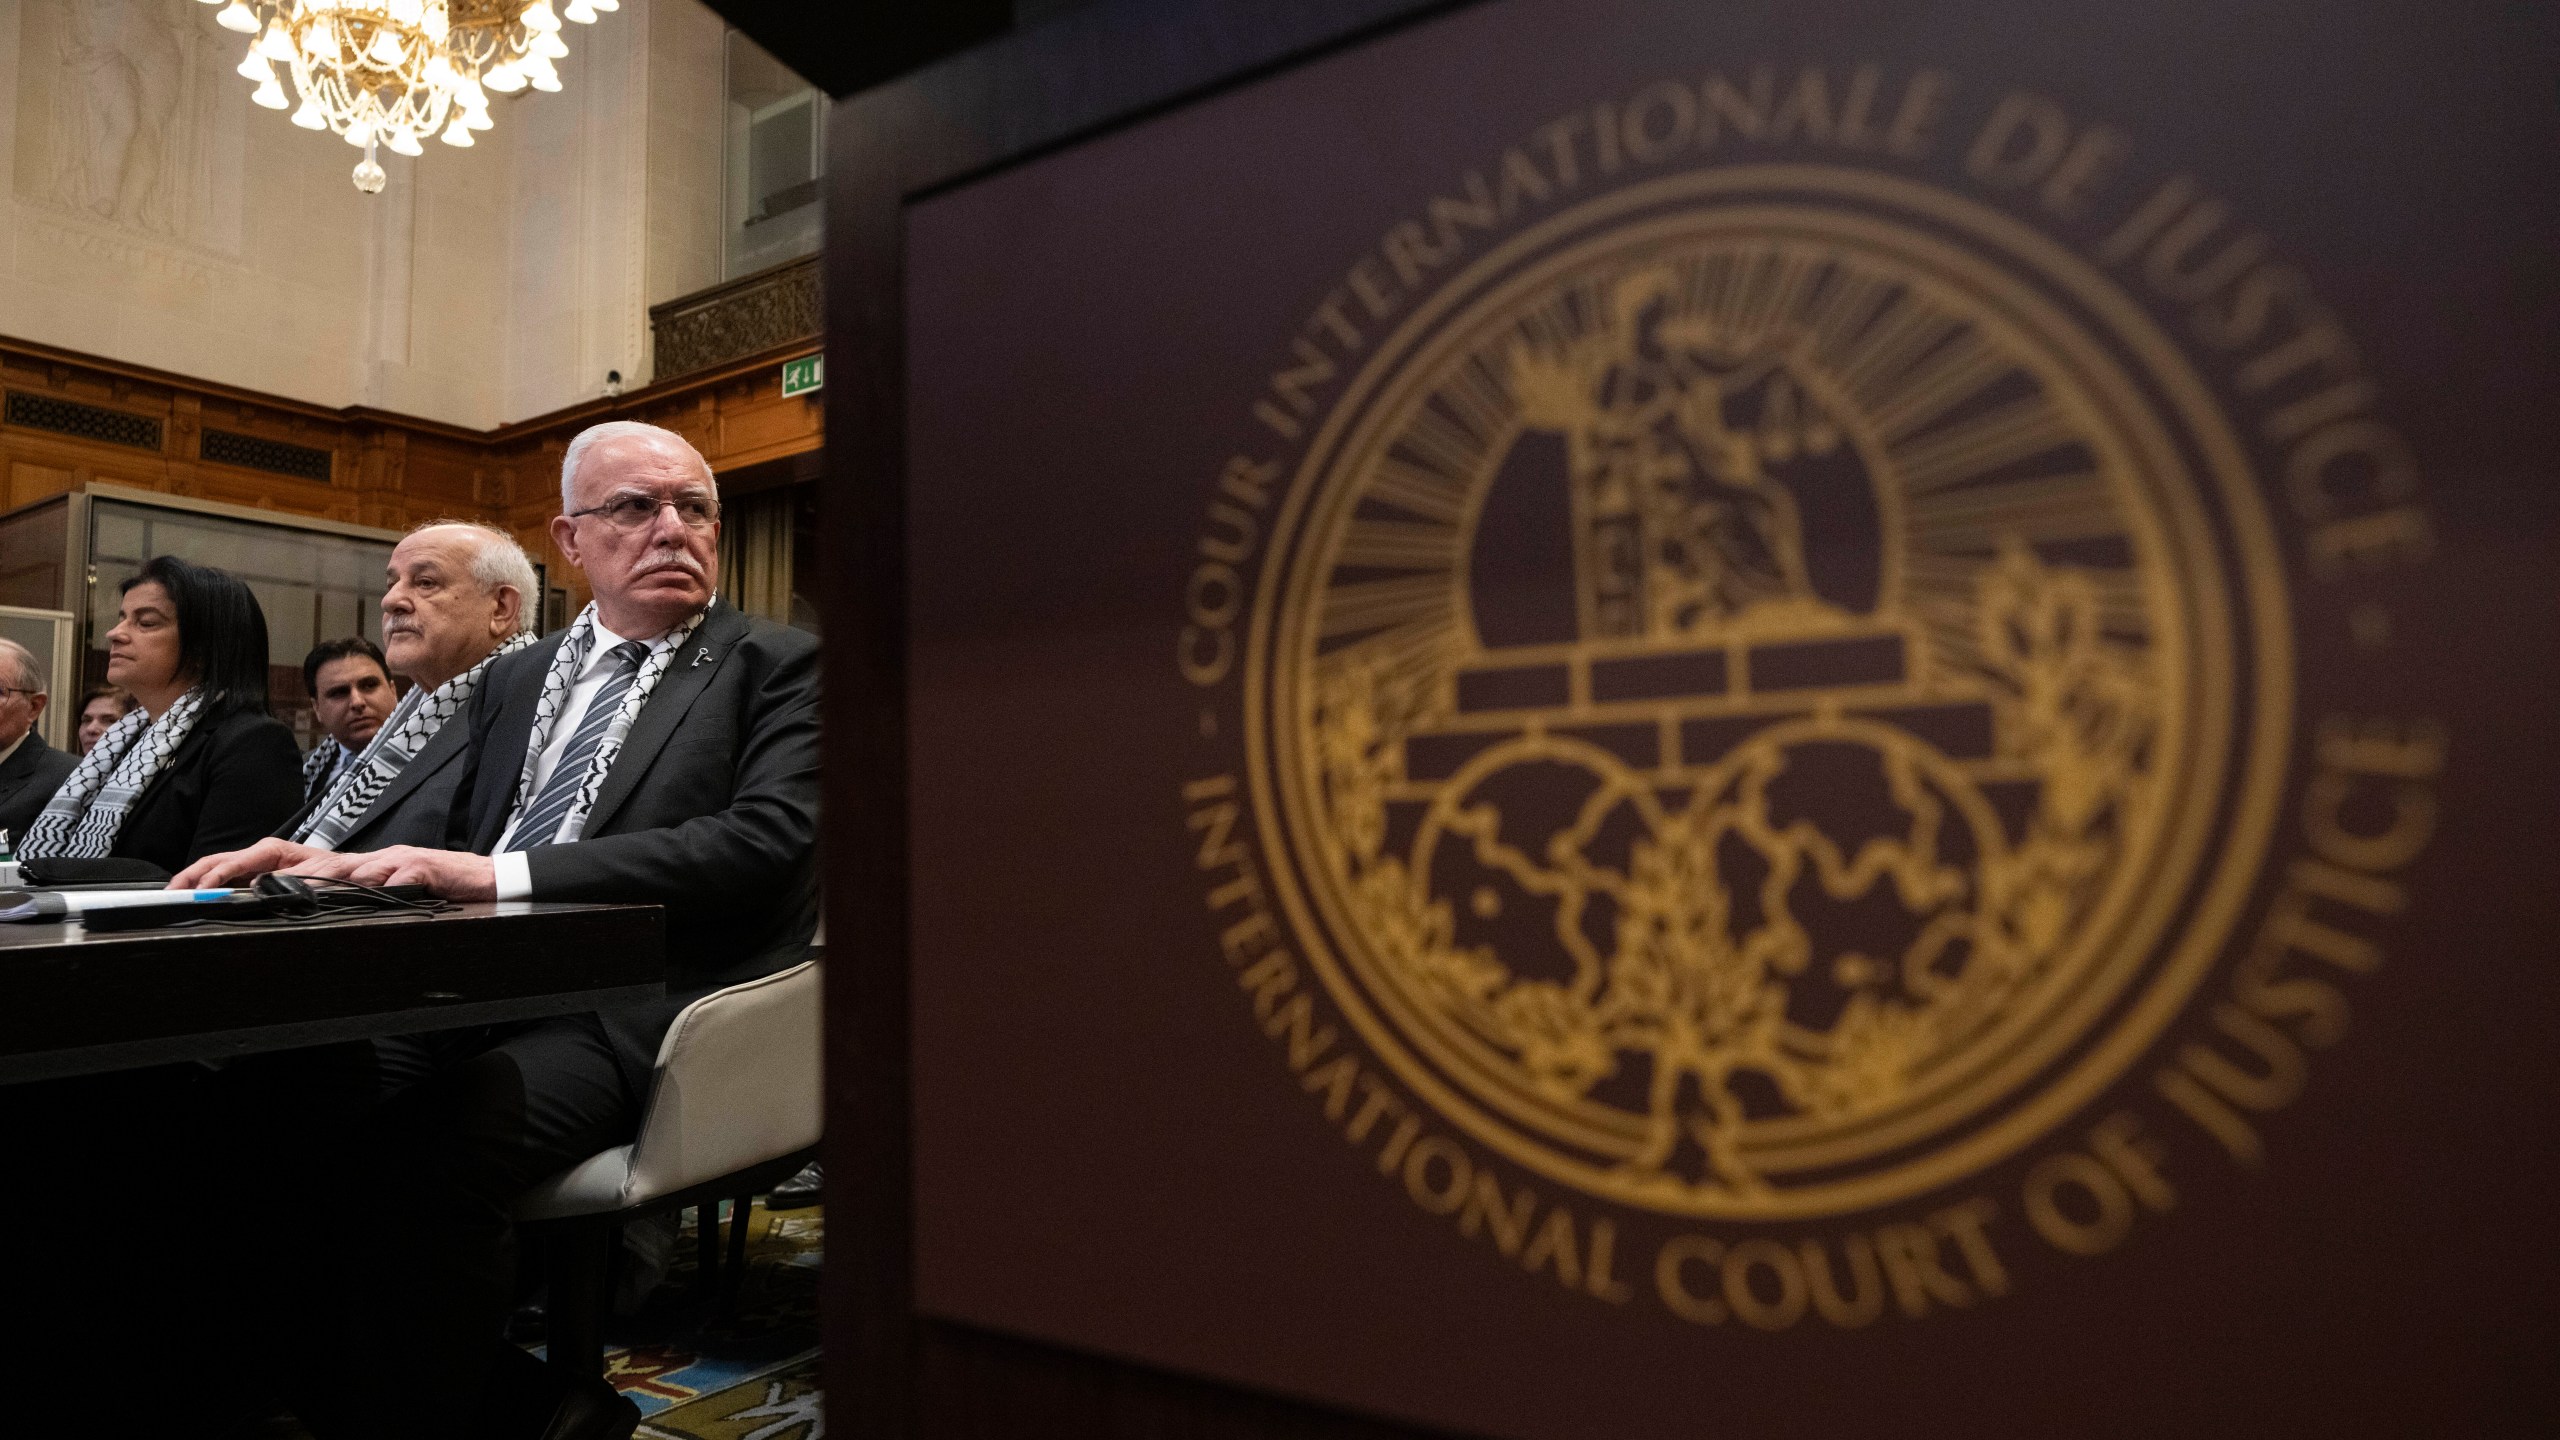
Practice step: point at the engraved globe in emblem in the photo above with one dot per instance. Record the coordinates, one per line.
(1741, 699)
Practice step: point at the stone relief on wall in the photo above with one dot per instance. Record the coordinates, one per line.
(124, 118)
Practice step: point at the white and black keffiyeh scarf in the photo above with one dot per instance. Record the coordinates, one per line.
(320, 765)
(565, 664)
(405, 732)
(82, 820)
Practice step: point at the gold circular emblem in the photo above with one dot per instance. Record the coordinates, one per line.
(1770, 689)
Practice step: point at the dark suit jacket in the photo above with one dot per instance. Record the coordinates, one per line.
(417, 807)
(231, 782)
(28, 779)
(710, 810)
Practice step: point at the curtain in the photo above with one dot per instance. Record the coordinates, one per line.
(755, 553)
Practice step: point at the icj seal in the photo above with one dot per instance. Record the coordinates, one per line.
(1769, 691)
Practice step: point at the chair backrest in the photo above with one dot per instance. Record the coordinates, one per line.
(738, 1084)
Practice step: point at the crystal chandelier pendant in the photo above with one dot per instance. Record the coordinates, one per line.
(393, 72)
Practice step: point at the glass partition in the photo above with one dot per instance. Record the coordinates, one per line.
(315, 579)
(312, 585)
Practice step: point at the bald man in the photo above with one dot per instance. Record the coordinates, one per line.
(30, 770)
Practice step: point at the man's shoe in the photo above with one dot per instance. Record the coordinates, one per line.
(800, 1191)
(593, 1410)
(528, 1400)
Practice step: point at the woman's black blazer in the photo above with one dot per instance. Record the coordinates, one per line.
(231, 783)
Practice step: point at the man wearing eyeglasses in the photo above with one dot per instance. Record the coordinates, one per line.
(30, 770)
(663, 750)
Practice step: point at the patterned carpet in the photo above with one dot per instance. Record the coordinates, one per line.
(780, 1406)
(751, 1375)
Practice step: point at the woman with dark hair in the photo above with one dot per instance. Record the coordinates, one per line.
(199, 766)
(196, 768)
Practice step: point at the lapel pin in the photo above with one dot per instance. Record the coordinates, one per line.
(699, 656)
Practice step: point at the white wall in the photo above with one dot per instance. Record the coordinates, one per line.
(687, 140)
(149, 213)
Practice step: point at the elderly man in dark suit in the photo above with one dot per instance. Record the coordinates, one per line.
(662, 749)
(30, 770)
(461, 594)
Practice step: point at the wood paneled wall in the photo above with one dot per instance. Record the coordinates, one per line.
(382, 469)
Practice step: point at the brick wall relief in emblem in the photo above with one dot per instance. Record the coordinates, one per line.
(1802, 769)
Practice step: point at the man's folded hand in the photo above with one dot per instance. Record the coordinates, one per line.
(233, 866)
(452, 874)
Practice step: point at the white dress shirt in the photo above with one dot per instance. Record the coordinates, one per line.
(515, 873)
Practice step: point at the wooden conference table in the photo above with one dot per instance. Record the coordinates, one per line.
(72, 1003)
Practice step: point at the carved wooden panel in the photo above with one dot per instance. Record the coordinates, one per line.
(30, 482)
(73, 418)
(758, 312)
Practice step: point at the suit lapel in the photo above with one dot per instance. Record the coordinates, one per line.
(15, 770)
(493, 793)
(687, 674)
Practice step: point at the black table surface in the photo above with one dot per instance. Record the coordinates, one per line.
(73, 1003)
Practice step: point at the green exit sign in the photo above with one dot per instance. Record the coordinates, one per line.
(803, 375)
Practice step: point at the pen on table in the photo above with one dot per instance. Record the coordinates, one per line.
(75, 901)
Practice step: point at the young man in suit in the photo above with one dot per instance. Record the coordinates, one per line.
(663, 749)
(351, 692)
(461, 594)
(30, 770)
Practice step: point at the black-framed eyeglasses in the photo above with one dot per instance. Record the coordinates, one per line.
(634, 512)
(9, 690)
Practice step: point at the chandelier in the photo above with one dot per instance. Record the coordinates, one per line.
(388, 73)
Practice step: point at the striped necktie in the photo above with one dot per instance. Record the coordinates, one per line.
(541, 822)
